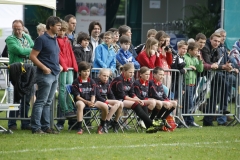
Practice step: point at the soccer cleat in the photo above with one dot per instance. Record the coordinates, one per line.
(156, 123)
(104, 128)
(80, 131)
(151, 130)
(100, 130)
(165, 123)
(141, 124)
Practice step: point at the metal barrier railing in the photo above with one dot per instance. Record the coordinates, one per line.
(211, 89)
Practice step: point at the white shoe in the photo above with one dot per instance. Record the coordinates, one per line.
(141, 124)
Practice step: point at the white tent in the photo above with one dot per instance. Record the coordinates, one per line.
(46, 3)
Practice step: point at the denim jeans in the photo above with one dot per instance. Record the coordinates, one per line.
(47, 85)
(188, 103)
(24, 108)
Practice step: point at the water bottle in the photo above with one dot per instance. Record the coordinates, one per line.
(10, 93)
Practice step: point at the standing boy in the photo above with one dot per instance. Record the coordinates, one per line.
(193, 60)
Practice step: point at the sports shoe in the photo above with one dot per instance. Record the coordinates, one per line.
(115, 127)
(156, 123)
(39, 131)
(70, 115)
(141, 124)
(104, 128)
(60, 127)
(80, 131)
(193, 124)
(51, 131)
(165, 123)
(100, 130)
(151, 130)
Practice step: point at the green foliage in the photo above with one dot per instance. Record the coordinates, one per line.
(202, 20)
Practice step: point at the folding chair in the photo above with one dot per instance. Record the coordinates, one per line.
(130, 118)
(94, 111)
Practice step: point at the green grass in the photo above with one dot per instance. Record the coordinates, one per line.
(195, 143)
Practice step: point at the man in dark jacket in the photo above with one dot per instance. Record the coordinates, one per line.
(211, 54)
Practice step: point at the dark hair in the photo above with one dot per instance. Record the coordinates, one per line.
(91, 26)
(113, 30)
(192, 46)
(143, 69)
(18, 21)
(157, 69)
(101, 35)
(124, 39)
(123, 29)
(83, 66)
(82, 36)
(159, 35)
(68, 17)
(51, 21)
(200, 36)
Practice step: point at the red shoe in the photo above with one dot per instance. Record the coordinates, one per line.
(100, 130)
(80, 131)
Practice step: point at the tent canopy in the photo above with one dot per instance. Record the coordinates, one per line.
(45, 3)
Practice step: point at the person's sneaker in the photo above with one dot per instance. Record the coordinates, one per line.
(70, 115)
(151, 130)
(100, 130)
(60, 127)
(80, 131)
(51, 131)
(28, 127)
(13, 128)
(115, 127)
(156, 123)
(165, 123)
(141, 124)
(104, 128)
(193, 124)
(39, 131)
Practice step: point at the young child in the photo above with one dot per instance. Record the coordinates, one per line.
(193, 60)
(123, 55)
(156, 91)
(105, 56)
(165, 55)
(178, 63)
(84, 92)
(150, 34)
(81, 50)
(104, 94)
(67, 61)
(122, 88)
(149, 57)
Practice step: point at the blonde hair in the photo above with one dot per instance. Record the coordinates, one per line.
(143, 69)
(41, 26)
(104, 70)
(181, 43)
(128, 66)
(64, 25)
(151, 32)
(149, 43)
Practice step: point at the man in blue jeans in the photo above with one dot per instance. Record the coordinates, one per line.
(45, 55)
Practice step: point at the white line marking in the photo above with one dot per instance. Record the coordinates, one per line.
(196, 144)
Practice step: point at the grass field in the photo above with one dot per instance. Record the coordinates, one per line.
(194, 143)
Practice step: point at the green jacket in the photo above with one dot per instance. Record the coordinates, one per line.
(190, 76)
(15, 50)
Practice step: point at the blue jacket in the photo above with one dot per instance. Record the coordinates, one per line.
(105, 57)
(127, 57)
